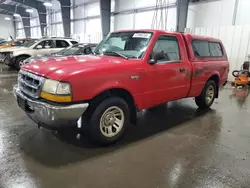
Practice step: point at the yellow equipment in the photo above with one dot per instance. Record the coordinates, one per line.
(241, 76)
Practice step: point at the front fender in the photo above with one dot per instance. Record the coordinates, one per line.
(110, 85)
(21, 53)
(96, 89)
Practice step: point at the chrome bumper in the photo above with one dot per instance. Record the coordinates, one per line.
(51, 116)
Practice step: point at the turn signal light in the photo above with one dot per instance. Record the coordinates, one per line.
(55, 98)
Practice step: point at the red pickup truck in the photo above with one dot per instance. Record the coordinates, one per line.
(129, 71)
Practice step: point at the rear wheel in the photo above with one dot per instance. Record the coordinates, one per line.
(109, 120)
(207, 96)
(19, 61)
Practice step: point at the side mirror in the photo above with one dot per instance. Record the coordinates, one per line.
(159, 55)
(156, 56)
(39, 47)
(152, 61)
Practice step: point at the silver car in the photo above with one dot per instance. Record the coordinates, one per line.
(13, 57)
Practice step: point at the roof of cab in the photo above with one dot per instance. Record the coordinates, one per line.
(144, 30)
(187, 35)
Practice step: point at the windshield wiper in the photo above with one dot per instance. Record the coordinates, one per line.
(116, 53)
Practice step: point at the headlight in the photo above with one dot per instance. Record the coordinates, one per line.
(56, 91)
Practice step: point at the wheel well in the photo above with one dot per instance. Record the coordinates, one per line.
(23, 55)
(215, 78)
(118, 92)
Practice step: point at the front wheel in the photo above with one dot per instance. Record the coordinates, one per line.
(109, 120)
(12, 66)
(207, 96)
(19, 62)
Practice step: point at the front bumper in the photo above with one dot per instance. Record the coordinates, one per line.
(51, 116)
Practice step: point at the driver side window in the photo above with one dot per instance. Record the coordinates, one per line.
(46, 44)
(168, 47)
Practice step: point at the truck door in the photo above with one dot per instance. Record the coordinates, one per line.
(171, 73)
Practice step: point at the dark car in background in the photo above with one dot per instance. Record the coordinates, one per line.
(78, 49)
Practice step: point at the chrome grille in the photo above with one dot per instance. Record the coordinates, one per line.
(30, 83)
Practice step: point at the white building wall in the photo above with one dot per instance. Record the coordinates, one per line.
(55, 25)
(19, 29)
(35, 28)
(210, 14)
(87, 21)
(54, 20)
(143, 20)
(56, 30)
(218, 13)
(6, 27)
(243, 13)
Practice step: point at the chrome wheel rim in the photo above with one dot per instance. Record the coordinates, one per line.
(21, 63)
(112, 121)
(209, 94)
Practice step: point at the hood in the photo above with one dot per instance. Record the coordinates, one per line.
(41, 57)
(12, 49)
(5, 46)
(59, 67)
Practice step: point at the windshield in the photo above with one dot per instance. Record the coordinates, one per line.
(2, 43)
(125, 44)
(73, 50)
(29, 43)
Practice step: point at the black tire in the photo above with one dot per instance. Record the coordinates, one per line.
(12, 66)
(18, 60)
(201, 101)
(94, 129)
(235, 73)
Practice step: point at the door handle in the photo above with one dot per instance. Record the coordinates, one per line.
(182, 69)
